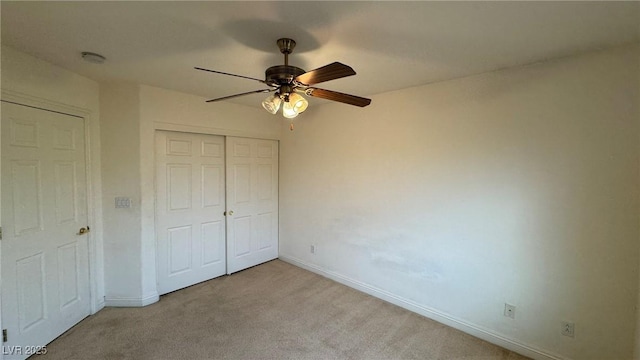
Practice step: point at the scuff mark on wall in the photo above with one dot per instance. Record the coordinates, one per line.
(407, 264)
(388, 247)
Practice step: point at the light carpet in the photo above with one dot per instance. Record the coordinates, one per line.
(271, 311)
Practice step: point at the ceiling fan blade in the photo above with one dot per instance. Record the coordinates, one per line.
(337, 96)
(332, 71)
(224, 73)
(242, 94)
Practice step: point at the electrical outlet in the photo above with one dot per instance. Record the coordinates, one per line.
(568, 329)
(313, 249)
(509, 310)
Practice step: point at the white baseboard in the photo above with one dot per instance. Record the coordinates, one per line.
(464, 326)
(99, 306)
(131, 302)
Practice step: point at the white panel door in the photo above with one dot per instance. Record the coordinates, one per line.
(252, 202)
(45, 276)
(190, 203)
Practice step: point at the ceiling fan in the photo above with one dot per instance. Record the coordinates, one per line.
(288, 81)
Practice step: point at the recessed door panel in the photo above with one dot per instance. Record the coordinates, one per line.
(68, 274)
(179, 249)
(179, 189)
(212, 242)
(64, 138)
(265, 181)
(241, 148)
(212, 186)
(265, 150)
(212, 149)
(31, 291)
(265, 230)
(242, 238)
(65, 184)
(25, 181)
(24, 133)
(242, 182)
(178, 147)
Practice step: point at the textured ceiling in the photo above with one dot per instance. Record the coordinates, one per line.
(391, 45)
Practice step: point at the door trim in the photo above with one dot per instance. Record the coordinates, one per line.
(94, 211)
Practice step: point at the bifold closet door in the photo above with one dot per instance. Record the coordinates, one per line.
(190, 205)
(252, 202)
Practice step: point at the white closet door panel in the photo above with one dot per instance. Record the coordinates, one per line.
(252, 202)
(190, 207)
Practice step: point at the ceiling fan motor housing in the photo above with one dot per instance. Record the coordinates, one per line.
(282, 74)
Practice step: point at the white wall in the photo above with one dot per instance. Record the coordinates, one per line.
(38, 82)
(120, 110)
(517, 186)
(26, 74)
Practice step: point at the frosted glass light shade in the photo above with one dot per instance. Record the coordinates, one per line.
(298, 103)
(288, 110)
(272, 103)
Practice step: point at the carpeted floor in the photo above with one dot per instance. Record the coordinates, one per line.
(272, 311)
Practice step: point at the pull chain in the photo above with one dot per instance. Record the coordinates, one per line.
(291, 126)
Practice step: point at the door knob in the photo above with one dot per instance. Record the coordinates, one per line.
(83, 230)
(231, 212)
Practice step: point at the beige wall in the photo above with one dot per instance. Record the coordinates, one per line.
(517, 186)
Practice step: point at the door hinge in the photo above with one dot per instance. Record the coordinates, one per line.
(5, 337)
(0, 232)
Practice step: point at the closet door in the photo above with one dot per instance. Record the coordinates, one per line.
(190, 204)
(252, 202)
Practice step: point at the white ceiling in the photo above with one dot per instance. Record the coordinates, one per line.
(391, 45)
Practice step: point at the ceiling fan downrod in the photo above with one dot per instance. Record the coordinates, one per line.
(286, 47)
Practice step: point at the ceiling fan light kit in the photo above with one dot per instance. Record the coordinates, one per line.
(272, 103)
(288, 81)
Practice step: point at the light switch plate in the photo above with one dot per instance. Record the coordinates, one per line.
(123, 202)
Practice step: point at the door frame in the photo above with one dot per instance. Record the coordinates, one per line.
(94, 239)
